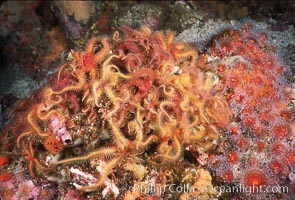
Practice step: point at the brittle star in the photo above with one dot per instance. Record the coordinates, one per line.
(30, 156)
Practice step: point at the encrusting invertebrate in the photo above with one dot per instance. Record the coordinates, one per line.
(53, 144)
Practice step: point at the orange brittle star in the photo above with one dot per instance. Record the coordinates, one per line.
(30, 156)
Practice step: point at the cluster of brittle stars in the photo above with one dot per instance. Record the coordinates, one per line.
(155, 94)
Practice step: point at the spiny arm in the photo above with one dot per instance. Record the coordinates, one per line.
(98, 153)
(103, 176)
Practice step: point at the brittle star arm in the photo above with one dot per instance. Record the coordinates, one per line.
(170, 158)
(103, 176)
(23, 134)
(78, 86)
(34, 124)
(100, 152)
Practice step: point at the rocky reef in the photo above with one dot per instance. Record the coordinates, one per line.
(127, 108)
(135, 113)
